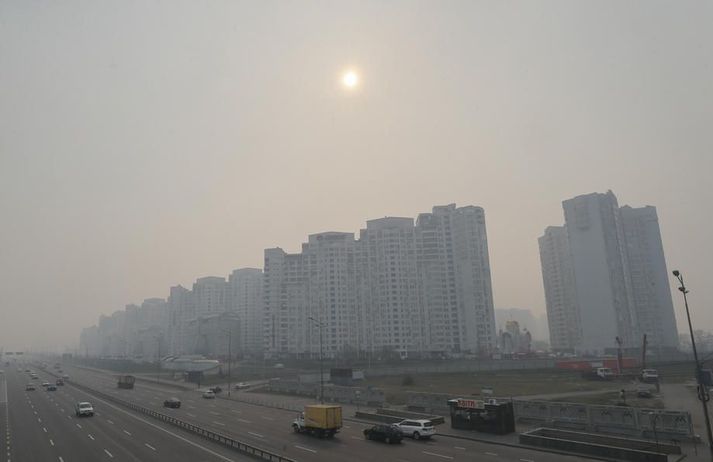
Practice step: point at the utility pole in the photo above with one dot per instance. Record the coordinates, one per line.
(158, 357)
(702, 390)
(230, 359)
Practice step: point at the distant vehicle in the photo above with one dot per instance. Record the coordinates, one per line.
(241, 385)
(27, 370)
(650, 375)
(644, 392)
(126, 382)
(386, 433)
(65, 377)
(209, 394)
(322, 420)
(34, 376)
(29, 387)
(172, 402)
(51, 387)
(216, 389)
(59, 382)
(599, 373)
(83, 409)
(45, 384)
(279, 366)
(416, 429)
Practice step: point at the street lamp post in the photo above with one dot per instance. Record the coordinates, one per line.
(702, 391)
(158, 357)
(321, 371)
(230, 358)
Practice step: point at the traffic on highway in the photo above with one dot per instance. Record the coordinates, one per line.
(71, 424)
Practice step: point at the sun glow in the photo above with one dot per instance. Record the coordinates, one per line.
(350, 79)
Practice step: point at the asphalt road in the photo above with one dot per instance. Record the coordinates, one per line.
(269, 428)
(43, 427)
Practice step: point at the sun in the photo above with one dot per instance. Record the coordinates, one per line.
(350, 79)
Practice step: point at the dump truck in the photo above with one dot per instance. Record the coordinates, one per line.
(322, 420)
(126, 381)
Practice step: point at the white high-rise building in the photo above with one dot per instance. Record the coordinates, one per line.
(319, 283)
(388, 287)
(618, 276)
(456, 287)
(244, 298)
(558, 278)
(651, 293)
(400, 289)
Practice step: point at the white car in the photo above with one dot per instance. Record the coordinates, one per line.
(241, 385)
(208, 394)
(83, 408)
(416, 428)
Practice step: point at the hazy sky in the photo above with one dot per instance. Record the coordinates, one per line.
(144, 144)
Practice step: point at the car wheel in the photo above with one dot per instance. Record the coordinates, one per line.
(296, 428)
(416, 435)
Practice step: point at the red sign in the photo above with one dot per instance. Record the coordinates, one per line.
(471, 403)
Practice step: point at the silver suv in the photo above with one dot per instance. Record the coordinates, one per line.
(84, 408)
(416, 429)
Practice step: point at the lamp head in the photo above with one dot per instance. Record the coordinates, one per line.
(676, 273)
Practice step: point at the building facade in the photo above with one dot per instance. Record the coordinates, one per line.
(606, 265)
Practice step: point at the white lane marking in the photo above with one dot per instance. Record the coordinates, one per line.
(437, 455)
(109, 421)
(127, 433)
(90, 437)
(491, 454)
(256, 434)
(51, 442)
(219, 423)
(214, 413)
(45, 429)
(175, 435)
(526, 460)
(243, 421)
(109, 453)
(458, 447)
(39, 420)
(149, 446)
(60, 459)
(79, 426)
(235, 410)
(266, 418)
(191, 415)
(304, 448)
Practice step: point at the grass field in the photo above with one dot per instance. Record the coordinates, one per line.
(503, 383)
(613, 399)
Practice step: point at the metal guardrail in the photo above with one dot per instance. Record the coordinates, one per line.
(205, 433)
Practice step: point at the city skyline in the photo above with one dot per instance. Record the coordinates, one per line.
(147, 145)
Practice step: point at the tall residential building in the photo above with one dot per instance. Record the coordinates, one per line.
(180, 309)
(456, 287)
(618, 271)
(558, 278)
(390, 311)
(651, 293)
(303, 291)
(400, 289)
(244, 298)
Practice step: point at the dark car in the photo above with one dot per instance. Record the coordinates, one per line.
(216, 389)
(51, 387)
(59, 382)
(385, 433)
(172, 402)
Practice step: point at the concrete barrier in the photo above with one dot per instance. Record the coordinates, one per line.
(436, 419)
(589, 444)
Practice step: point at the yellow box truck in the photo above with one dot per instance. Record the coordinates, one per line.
(322, 420)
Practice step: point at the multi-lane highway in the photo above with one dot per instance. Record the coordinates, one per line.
(41, 426)
(269, 428)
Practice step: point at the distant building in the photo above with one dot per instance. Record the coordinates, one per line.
(558, 277)
(400, 289)
(244, 297)
(607, 266)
